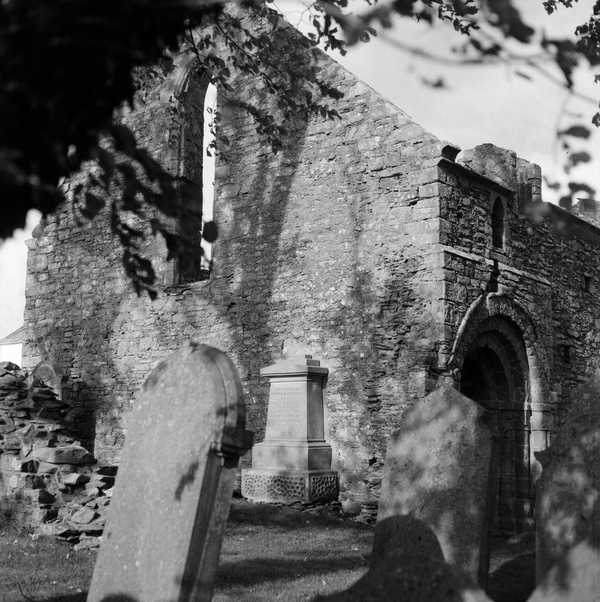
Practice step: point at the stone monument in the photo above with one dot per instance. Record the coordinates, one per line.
(293, 462)
(174, 486)
(438, 470)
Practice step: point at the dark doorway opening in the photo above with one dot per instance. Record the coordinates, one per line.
(495, 374)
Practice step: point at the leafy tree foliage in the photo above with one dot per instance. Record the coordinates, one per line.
(66, 66)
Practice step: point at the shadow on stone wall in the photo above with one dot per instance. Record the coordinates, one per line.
(385, 341)
(89, 358)
(242, 293)
(271, 184)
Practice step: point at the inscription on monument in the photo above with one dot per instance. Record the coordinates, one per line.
(287, 411)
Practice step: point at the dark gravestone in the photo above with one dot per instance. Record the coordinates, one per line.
(403, 536)
(407, 564)
(437, 470)
(173, 489)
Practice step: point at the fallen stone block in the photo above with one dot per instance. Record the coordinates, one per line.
(83, 516)
(7, 425)
(108, 470)
(67, 534)
(46, 467)
(70, 454)
(38, 496)
(96, 527)
(74, 478)
(92, 491)
(11, 443)
(87, 542)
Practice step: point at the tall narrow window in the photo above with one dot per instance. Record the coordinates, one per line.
(498, 224)
(196, 182)
(208, 172)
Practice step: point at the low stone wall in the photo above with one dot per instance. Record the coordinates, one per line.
(48, 480)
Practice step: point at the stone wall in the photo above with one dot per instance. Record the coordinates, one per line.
(536, 290)
(549, 268)
(362, 243)
(47, 479)
(324, 248)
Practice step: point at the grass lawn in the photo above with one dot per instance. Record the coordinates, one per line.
(269, 553)
(289, 554)
(42, 569)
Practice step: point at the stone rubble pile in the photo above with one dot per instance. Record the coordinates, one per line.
(49, 481)
(85, 499)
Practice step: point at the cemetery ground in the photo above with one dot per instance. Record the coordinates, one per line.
(269, 552)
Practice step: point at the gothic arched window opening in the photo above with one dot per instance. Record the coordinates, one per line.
(197, 180)
(498, 224)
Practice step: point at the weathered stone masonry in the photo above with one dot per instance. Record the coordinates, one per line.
(365, 242)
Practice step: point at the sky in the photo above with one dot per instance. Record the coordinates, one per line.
(478, 104)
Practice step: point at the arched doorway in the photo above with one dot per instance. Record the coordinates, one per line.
(495, 373)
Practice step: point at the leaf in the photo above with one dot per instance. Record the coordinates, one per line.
(566, 201)
(551, 185)
(581, 187)
(434, 83)
(577, 131)
(210, 231)
(579, 157)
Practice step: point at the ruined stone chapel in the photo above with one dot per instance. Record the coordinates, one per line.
(395, 259)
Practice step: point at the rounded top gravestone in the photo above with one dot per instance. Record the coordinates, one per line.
(45, 374)
(437, 470)
(184, 436)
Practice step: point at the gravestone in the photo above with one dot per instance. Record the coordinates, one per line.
(568, 500)
(293, 462)
(438, 470)
(574, 578)
(407, 564)
(173, 489)
(44, 374)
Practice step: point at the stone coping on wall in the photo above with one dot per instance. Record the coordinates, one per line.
(445, 163)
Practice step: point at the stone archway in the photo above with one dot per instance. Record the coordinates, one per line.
(498, 362)
(495, 373)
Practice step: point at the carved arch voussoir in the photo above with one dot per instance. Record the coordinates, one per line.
(494, 305)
